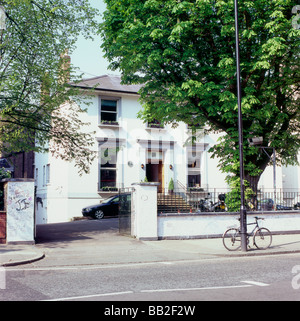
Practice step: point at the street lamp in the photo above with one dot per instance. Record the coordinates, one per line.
(243, 213)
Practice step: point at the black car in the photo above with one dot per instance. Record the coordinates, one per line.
(108, 207)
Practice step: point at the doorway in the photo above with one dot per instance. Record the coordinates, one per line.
(155, 173)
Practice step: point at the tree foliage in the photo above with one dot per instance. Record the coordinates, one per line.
(3, 174)
(183, 51)
(34, 76)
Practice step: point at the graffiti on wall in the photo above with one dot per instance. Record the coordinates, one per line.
(20, 211)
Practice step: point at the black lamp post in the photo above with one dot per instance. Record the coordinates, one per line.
(243, 213)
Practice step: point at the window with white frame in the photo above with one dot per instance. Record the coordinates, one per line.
(194, 169)
(109, 111)
(108, 167)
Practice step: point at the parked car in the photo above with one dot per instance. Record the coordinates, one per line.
(297, 206)
(108, 207)
(268, 205)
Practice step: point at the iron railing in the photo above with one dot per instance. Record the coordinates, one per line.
(193, 200)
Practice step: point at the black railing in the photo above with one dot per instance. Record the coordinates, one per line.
(196, 200)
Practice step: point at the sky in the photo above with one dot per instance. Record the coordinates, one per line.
(88, 56)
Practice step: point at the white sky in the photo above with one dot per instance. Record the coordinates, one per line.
(88, 56)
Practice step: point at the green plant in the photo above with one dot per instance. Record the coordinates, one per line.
(109, 189)
(233, 198)
(3, 174)
(185, 61)
(171, 185)
(109, 122)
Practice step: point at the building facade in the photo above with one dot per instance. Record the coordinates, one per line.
(129, 151)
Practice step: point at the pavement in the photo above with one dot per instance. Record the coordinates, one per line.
(90, 242)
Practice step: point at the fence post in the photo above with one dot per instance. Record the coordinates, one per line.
(144, 215)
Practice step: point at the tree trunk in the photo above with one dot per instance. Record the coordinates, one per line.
(253, 184)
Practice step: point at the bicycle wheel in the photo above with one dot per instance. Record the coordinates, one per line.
(232, 239)
(262, 238)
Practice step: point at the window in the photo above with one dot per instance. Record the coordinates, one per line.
(108, 167)
(109, 111)
(36, 177)
(155, 124)
(194, 169)
(46, 174)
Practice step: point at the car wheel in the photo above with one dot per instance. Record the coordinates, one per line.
(99, 215)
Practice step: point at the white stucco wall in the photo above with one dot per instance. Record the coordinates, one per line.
(214, 225)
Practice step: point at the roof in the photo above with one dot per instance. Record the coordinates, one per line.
(108, 83)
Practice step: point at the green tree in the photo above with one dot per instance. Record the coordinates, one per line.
(3, 174)
(35, 77)
(183, 51)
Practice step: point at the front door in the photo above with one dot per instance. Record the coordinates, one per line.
(155, 173)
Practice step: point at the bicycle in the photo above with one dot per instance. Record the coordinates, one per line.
(262, 237)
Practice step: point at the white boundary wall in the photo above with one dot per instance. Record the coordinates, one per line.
(184, 226)
(148, 225)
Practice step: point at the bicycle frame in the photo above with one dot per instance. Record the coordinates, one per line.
(255, 228)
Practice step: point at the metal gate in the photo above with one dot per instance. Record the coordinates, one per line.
(125, 195)
(2, 227)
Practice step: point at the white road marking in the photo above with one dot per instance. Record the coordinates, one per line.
(256, 283)
(149, 291)
(89, 296)
(249, 284)
(198, 289)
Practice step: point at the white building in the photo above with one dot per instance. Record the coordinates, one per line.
(129, 150)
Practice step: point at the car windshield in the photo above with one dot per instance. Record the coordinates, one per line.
(110, 199)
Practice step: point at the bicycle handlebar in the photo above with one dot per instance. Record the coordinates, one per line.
(257, 218)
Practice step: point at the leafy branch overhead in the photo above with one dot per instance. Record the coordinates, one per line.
(184, 54)
(34, 77)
